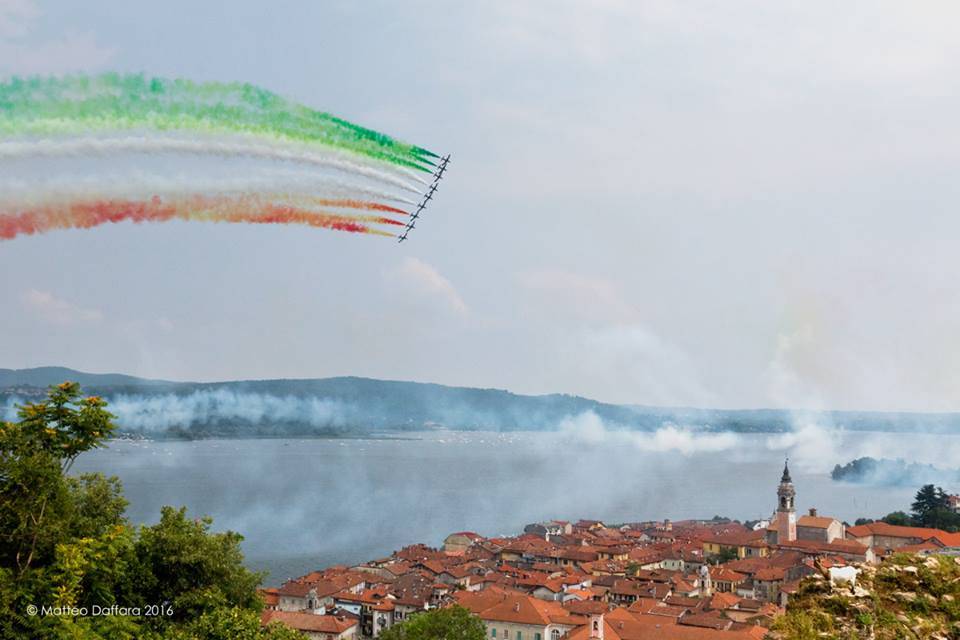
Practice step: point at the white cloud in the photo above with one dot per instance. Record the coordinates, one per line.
(640, 366)
(23, 52)
(426, 281)
(602, 343)
(877, 337)
(591, 298)
(54, 310)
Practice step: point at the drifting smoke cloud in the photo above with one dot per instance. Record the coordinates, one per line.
(8, 410)
(589, 428)
(157, 413)
(812, 446)
(887, 472)
(903, 458)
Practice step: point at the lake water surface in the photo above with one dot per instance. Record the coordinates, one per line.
(307, 503)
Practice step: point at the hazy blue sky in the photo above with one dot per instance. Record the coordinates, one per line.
(731, 203)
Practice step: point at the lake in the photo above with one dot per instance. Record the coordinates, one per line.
(307, 503)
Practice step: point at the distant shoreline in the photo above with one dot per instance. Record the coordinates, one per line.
(162, 438)
(350, 407)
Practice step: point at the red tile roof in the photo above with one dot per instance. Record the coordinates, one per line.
(620, 624)
(518, 609)
(892, 531)
(307, 621)
(837, 546)
(815, 522)
(270, 596)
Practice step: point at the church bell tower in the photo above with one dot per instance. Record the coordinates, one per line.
(786, 512)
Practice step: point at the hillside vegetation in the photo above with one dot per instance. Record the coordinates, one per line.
(350, 406)
(906, 597)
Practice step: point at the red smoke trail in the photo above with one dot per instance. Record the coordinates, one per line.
(358, 204)
(249, 209)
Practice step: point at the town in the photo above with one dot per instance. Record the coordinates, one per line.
(590, 580)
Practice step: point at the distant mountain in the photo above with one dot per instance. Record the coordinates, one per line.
(46, 376)
(347, 406)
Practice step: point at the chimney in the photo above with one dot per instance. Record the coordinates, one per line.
(813, 512)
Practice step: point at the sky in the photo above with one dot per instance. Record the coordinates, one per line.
(715, 204)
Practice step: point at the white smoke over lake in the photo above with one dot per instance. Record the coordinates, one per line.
(811, 445)
(8, 410)
(589, 428)
(156, 413)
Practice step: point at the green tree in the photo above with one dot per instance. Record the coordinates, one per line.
(64, 542)
(727, 554)
(182, 564)
(232, 624)
(453, 623)
(931, 508)
(97, 505)
(39, 507)
(898, 518)
(35, 455)
(929, 501)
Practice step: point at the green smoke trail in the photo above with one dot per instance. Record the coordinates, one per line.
(110, 102)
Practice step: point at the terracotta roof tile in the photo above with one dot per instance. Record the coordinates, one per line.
(307, 621)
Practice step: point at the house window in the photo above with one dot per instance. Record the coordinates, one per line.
(493, 633)
(555, 634)
(536, 636)
(519, 635)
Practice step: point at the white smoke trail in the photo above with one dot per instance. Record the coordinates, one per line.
(141, 184)
(211, 145)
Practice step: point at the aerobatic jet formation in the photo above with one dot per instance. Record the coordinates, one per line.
(427, 197)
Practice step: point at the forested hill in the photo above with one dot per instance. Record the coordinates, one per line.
(352, 406)
(45, 376)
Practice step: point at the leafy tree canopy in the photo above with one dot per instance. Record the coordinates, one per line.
(931, 508)
(65, 542)
(453, 623)
(898, 518)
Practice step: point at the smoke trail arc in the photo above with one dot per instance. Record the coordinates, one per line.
(140, 184)
(224, 148)
(245, 209)
(349, 178)
(113, 102)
